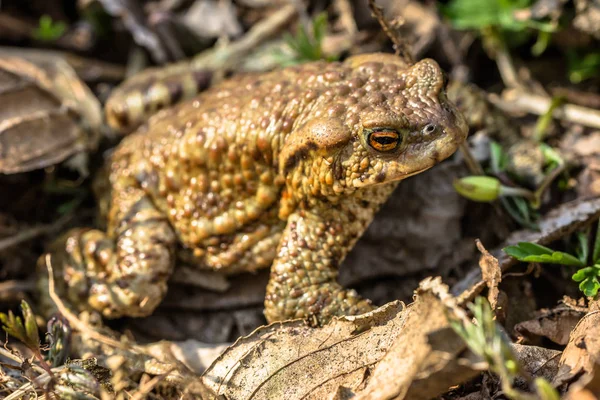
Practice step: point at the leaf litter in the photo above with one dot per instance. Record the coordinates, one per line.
(533, 335)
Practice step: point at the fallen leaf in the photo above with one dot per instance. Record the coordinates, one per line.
(292, 360)
(427, 357)
(583, 350)
(538, 362)
(218, 19)
(195, 355)
(491, 274)
(587, 387)
(47, 114)
(392, 352)
(555, 325)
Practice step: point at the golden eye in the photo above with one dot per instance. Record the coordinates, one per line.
(384, 139)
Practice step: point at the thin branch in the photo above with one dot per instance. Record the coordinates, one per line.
(514, 100)
(402, 48)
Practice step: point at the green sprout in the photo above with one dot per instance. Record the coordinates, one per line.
(588, 273)
(496, 17)
(307, 46)
(520, 203)
(583, 67)
(26, 331)
(486, 188)
(486, 339)
(49, 30)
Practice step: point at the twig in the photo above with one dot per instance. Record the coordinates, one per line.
(72, 318)
(514, 100)
(223, 58)
(31, 233)
(402, 48)
(16, 286)
(148, 386)
(473, 165)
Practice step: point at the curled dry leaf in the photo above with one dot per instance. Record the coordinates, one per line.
(427, 357)
(587, 387)
(491, 273)
(538, 362)
(582, 353)
(48, 114)
(555, 325)
(391, 352)
(292, 360)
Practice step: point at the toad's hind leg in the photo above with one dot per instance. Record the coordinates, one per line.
(303, 281)
(123, 272)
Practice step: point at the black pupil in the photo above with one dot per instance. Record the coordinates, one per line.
(385, 139)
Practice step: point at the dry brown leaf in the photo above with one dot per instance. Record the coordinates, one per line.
(491, 274)
(583, 350)
(537, 361)
(195, 355)
(48, 114)
(427, 357)
(292, 360)
(587, 387)
(391, 352)
(555, 325)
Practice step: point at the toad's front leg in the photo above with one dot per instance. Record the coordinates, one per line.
(303, 281)
(120, 273)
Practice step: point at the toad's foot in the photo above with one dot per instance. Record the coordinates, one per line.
(303, 280)
(121, 276)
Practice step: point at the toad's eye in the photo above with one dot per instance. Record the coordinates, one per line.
(384, 139)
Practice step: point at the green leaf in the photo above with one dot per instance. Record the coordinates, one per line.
(49, 30)
(582, 248)
(588, 278)
(596, 251)
(307, 45)
(479, 14)
(545, 389)
(543, 39)
(531, 252)
(27, 332)
(583, 67)
(590, 286)
(582, 274)
(498, 158)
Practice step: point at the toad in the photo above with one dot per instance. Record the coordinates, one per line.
(284, 169)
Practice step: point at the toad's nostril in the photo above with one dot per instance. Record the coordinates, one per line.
(429, 129)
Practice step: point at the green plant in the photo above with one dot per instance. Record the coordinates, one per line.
(49, 30)
(520, 203)
(485, 338)
(306, 45)
(25, 330)
(479, 14)
(586, 257)
(496, 18)
(583, 66)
